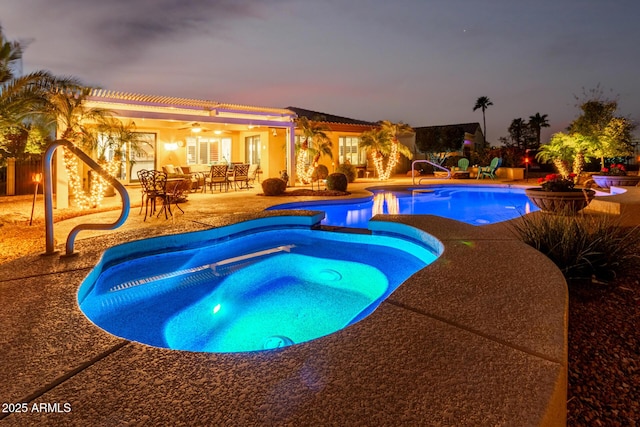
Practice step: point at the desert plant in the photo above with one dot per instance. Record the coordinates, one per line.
(273, 186)
(348, 170)
(320, 172)
(337, 181)
(583, 246)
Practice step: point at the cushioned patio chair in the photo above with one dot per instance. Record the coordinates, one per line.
(240, 176)
(489, 171)
(217, 176)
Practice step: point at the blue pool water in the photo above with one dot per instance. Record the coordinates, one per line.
(258, 289)
(473, 204)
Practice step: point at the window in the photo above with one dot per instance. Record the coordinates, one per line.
(208, 150)
(252, 149)
(349, 151)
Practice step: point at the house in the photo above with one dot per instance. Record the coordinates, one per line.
(344, 134)
(197, 133)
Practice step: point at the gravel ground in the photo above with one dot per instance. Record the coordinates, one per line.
(604, 353)
(604, 332)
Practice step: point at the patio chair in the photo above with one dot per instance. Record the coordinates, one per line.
(154, 184)
(217, 176)
(252, 174)
(176, 194)
(490, 170)
(240, 176)
(142, 177)
(461, 171)
(463, 165)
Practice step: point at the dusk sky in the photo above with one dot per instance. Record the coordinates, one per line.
(421, 62)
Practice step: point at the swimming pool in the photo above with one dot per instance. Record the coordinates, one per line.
(258, 285)
(473, 204)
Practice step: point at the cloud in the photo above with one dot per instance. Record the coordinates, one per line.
(123, 29)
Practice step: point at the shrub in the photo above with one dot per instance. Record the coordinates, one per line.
(320, 172)
(348, 170)
(273, 186)
(337, 181)
(583, 246)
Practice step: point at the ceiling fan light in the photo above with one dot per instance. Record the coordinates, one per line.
(196, 128)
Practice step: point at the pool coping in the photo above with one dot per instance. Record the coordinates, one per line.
(468, 340)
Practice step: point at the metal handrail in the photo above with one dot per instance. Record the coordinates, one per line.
(413, 175)
(48, 197)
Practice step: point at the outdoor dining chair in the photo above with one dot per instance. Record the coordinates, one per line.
(217, 176)
(240, 176)
(176, 193)
(154, 184)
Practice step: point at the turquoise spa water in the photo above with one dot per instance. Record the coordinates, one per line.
(473, 204)
(260, 290)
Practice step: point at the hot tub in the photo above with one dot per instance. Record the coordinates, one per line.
(258, 285)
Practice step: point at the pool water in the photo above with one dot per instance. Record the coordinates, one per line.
(473, 204)
(257, 290)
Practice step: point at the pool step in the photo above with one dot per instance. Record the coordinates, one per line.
(230, 265)
(167, 282)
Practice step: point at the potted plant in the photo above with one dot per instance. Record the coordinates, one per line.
(557, 194)
(615, 176)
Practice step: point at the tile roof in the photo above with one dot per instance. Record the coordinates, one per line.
(328, 118)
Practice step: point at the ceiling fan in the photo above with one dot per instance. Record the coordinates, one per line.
(195, 127)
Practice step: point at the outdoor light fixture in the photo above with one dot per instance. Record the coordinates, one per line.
(36, 178)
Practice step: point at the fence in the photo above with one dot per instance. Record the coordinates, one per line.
(3, 180)
(16, 177)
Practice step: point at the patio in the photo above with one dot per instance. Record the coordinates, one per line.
(452, 346)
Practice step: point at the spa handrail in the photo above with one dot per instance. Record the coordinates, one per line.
(48, 197)
(413, 175)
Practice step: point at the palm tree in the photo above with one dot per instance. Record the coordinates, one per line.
(383, 142)
(314, 142)
(377, 142)
(82, 126)
(10, 52)
(537, 122)
(25, 107)
(483, 103)
(566, 150)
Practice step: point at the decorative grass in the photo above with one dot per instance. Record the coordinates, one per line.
(585, 246)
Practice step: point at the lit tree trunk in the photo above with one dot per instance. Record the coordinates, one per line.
(393, 160)
(561, 166)
(302, 172)
(578, 165)
(378, 164)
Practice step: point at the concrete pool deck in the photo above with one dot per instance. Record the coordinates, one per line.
(477, 338)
